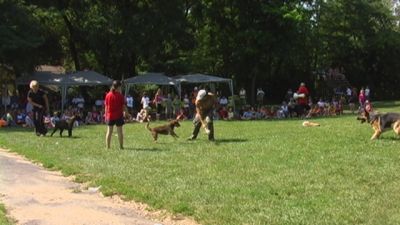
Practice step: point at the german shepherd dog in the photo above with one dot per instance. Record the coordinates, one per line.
(167, 129)
(381, 122)
(65, 125)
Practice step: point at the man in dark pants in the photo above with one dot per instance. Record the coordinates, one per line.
(204, 107)
(197, 125)
(40, 103)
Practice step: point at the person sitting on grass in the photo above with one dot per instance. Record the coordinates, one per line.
(248, 114)
(89, 119)
(29, 120)
(20, 117)
(10, 120)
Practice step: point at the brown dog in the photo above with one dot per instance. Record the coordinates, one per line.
(167, 129)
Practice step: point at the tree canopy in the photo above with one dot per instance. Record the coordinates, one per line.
(272, 44)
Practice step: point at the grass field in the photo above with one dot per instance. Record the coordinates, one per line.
(257, 172)
(3, 218)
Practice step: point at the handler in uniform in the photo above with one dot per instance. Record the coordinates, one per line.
(205, 103)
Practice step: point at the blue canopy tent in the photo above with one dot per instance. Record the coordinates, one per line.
(150, 78)
(63, 81)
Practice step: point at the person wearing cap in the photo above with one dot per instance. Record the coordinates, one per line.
(38, 99)
(115, 107)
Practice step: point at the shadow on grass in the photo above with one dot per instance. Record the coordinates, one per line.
(15, 129)
(66, 137)
(230, 140)
(392, 138)
(144, 149)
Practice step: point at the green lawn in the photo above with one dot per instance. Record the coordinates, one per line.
(3, 219)
(257, 172)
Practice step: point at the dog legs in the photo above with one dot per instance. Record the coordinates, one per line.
(376, 135)
(61, 131)
(376, 125)
(155, 135)
(396, 127)
(55, 129)
(173, 134)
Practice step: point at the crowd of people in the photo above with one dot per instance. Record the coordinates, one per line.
(297, 103)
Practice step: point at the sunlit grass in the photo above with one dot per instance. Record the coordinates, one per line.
(257, 172)
(3, 218)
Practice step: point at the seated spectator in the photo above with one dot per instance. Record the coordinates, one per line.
(29, 120)
(89, 119)
(3, 123)
(272, 113)
(283, 111)
(231, 114)
(95, 115)
(10, 120)
(20, 117)
(248, 114)
(223, 113)
(314, 111)
(321, 106)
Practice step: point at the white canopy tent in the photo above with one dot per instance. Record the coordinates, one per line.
(79, 78)
(150, 78)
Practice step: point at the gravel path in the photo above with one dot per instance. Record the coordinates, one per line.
(35, 196)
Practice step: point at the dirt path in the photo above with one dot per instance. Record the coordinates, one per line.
(35, 196)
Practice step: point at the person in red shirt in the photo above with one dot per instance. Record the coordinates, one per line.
(302, 101)
(115, 107)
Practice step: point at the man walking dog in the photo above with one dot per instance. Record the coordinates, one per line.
(38, 99)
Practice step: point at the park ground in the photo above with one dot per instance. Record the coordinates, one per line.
(256, 172)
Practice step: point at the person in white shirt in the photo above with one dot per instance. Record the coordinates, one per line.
(145, 101)
(129, 103)
(260, 96)
(367, 93)
(223, 101)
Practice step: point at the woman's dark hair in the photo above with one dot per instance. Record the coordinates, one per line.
(115, 85)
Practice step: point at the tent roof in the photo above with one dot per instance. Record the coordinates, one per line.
(46, 78)
(151, 78)
(87, 78)
(200, 78)
(71, 79)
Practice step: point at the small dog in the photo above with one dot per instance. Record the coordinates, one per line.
(380, 122)
(164, 129)
(65, 125)
(310, 124)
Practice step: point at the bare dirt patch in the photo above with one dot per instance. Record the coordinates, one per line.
(35, 196)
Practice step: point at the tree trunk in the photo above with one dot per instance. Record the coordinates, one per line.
(253, 89)
(71, 42)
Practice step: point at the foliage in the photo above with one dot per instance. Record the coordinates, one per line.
(260, 44)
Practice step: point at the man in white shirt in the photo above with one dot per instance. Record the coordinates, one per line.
(129, 103)
(145, 101)
(260, 96)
